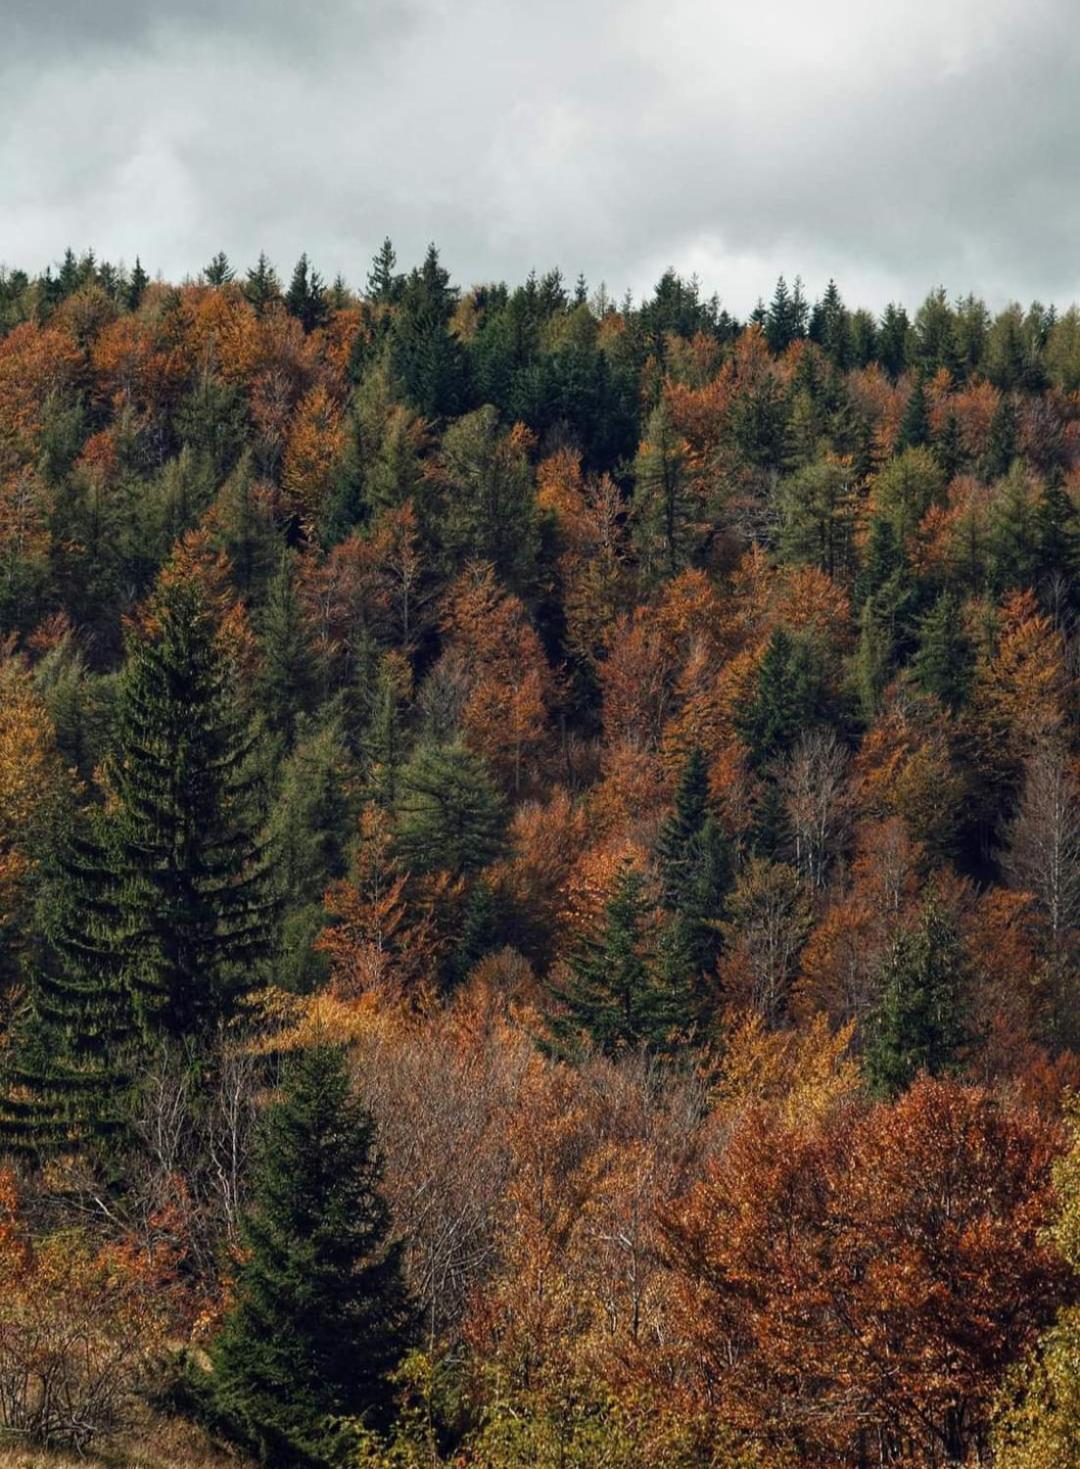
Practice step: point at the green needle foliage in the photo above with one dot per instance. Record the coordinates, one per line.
(321, 1316)
(196, 903)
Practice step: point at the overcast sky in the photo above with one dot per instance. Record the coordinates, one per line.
(894, 144)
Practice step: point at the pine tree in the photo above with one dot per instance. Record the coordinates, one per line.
(949, 449)
(288, 680)
(306, 297)
(219, 272)
(785, 318)
(935, 336)
(918, 1025)
(450, 817)
(787, 697)
(944, 660)
(321, 1314)
(662, 513)
(833, 328)
(262, 285)
(915, 424)
(615, 993)
(864, 339)
(383, 283)
(136, 286)
(196, 907)
(1057, 527)
(480, 925)
(66, 1075)
(695, 865)
(894, 340)
(426, 357)
(1001, 442)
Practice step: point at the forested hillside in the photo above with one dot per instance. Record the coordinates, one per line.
(539, 872)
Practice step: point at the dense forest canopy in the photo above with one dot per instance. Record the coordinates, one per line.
(539, 870)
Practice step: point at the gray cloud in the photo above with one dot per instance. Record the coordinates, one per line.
(894, 146)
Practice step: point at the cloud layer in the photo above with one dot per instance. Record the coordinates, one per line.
(894, 145)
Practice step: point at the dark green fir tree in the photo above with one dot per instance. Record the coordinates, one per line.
(197, 911)
(450, 816)
(787, 698)
(262, 285)
(918, 1025)
(944, 659)
(915, 424)
(321, 1314)
(384, 284)
(66, 1078)
(288, 680)
(136, 286)
(306, 297)
(695, 864)
(617, 993)
(1001, 442)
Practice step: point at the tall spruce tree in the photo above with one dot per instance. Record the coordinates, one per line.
(663, 504)
(617, 993)
(944, 660)
(1001, 441)
(219, 272)
(306, 297)
(262, 284)
(384, 284)
(196, 909)
(918, 1025)
(136, 286)
(695, 864)
(449, 814)
(915, 424)
(65, 1079)
(321, 1314)
(787, 698)
(289, 675)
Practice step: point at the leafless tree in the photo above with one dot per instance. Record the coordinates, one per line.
(813, 786)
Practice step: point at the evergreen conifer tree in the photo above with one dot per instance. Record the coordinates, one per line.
(306, 297)
(383, 282)
(918, 1024)
(786, 699)
(695, 865)
(479, 934)
(1057, 526)
(894, 340)
(262, 285)
(196, 905)
(136, 285)
(288, 680)
(915, 424)
(449, 815)
(664, 531)
(66, 1075)
(1001, 442)
(616, 992)
(425, 356)
(321, 1314)
(219, 272)
(943, 661)
(949, 449)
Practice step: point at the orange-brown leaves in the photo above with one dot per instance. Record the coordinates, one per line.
(868, 1274)
(35, 363)
(313, 454)
(494, 649)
